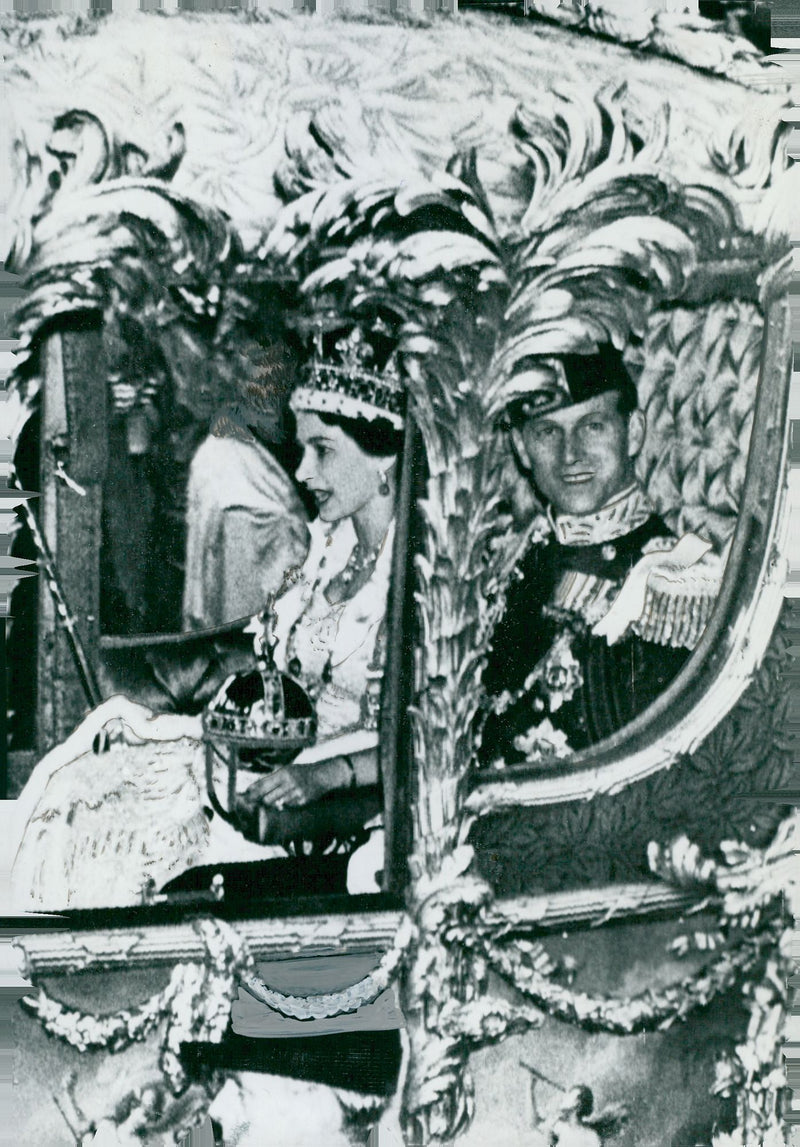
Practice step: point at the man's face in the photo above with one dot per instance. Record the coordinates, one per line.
(581, 456)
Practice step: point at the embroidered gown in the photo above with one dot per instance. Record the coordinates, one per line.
(123, 801)
(331, 649)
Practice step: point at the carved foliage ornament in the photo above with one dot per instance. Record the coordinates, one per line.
(604, 243)
(753, 939)
(468, 304)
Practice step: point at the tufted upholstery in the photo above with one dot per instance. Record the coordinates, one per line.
(698, 390)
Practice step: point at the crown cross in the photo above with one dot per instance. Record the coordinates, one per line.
(355, 351)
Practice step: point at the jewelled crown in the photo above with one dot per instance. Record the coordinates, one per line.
(349, 382)
(263, 709)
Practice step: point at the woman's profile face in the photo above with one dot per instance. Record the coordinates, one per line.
(342, 477)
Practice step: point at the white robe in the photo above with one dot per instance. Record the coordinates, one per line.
(245, 526)
(96, 826)
(342, 636)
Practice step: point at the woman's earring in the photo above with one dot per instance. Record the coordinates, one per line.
(384, 486)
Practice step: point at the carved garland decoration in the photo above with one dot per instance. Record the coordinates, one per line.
(349, 999)
(436, 284)
(214, 984)
(196, 1003)
(455, 368)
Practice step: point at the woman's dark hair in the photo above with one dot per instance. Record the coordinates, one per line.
(377, 437)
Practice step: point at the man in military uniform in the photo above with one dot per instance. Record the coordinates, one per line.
(605, 606)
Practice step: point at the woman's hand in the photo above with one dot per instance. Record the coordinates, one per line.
(295, 785)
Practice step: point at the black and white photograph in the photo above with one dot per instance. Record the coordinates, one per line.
(398, 583)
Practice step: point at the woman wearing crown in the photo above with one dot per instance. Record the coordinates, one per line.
(122, 804)
(328, 622)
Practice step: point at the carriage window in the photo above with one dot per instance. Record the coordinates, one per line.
(260, 755)
(636, 473)
(623, 727)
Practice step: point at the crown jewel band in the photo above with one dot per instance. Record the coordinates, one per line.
(352, 385)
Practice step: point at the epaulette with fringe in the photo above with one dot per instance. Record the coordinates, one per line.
(678, 609)
(668, 597)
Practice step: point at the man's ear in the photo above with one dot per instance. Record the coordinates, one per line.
(520, 449)
(637, 424)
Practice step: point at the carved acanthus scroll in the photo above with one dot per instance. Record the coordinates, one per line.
(468, 302)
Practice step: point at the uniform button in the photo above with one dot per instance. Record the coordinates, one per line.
(609, 553)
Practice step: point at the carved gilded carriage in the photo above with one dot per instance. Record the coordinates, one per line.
(592, 206)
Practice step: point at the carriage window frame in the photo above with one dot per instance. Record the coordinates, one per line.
(753, 581)
(649, 741)
(394, 734)
(763, 504)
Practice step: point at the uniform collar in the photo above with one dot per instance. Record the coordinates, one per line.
(623, 514)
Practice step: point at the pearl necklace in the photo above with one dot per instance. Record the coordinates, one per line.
(355, 564)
